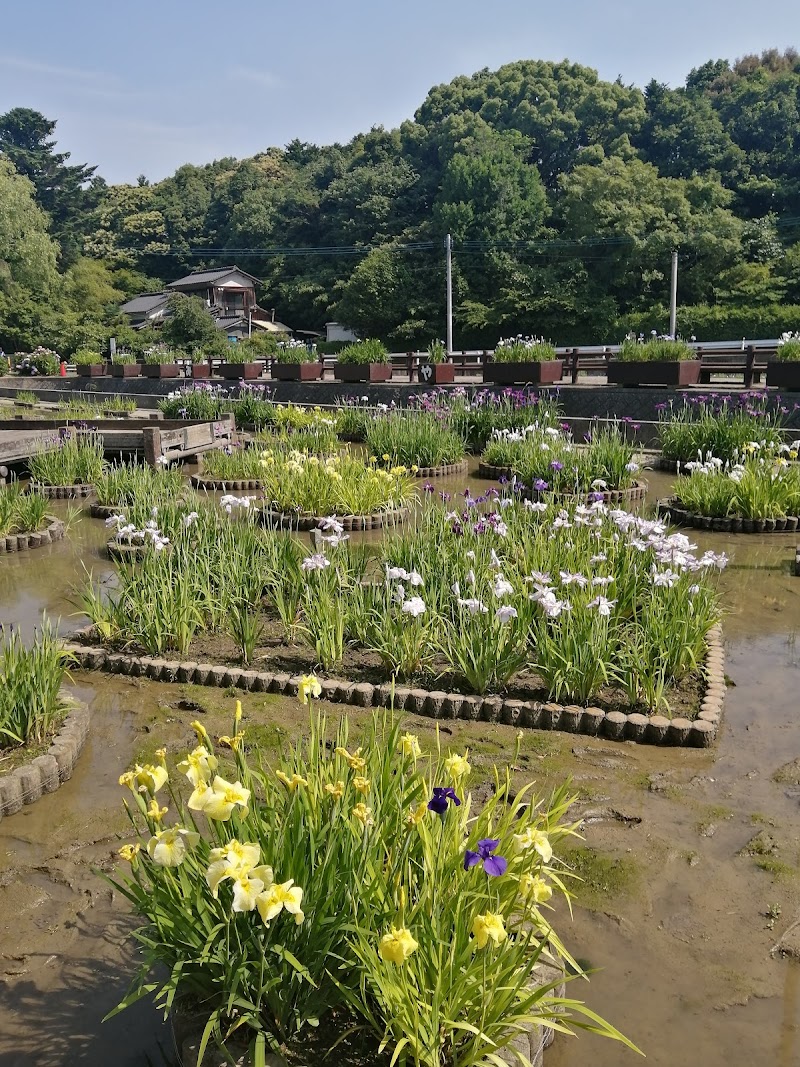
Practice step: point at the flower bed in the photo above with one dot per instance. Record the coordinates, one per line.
(546, 461)
(125, 484)
(24, 522)
(720, 425)
(413, 439)
(305, 521)
(528, 601)
(396, 862)
(46, 772)
(72, 463)
(474, 417)
(675, 511)
(304, 484)
(763, 489)
(32, 705)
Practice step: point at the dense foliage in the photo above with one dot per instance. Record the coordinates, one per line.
(564, 194)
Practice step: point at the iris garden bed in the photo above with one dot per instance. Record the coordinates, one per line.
(522, 601)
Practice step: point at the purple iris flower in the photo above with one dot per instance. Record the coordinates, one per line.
(441, 795)
(557, 466)
(493, 865)
(540, 485)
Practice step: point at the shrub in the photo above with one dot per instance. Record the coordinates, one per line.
(368, 351)
(42, 361)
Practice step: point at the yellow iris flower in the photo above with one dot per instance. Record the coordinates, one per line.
(232, 742)
(336, 791)
(535, 839)
(168, 848)
(144, 779)
(416, 815)
(155, 811)
(356, 762)
(218, 800)
(362, 785)
(457, 766)
(531, 886)
(397, 945)
(363, 814)
(130, 852)
(271, 902)
(199, 765)
(409, 745)
(290, 783)
(488, 927)
(309, 687)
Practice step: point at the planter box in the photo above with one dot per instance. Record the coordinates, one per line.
(201, 370)
(241, 371)
(126, 370)
(91, 370)
(161, 370)
(653, 372)
(785, 374)
(436, 373)
(362, 372)
(297, 372)
(548, 372)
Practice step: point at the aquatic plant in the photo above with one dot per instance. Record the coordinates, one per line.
(412, 438)
(21, 512)
(30, 683)
(720, 425)
(418, 911)
(75, 460)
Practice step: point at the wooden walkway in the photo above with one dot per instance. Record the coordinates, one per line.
(158, 443)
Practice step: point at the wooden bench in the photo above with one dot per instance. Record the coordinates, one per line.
(748, 361)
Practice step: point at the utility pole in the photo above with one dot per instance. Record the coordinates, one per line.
(673, 297)
(448, 245)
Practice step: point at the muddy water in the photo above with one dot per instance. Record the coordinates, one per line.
(675, 921)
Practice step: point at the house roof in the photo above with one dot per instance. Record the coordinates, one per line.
(145, 303)
(201, 278)
(228, 322)
(272, 327)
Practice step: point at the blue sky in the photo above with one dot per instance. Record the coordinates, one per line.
(143, 87)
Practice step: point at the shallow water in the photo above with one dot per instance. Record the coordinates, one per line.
(682, 948)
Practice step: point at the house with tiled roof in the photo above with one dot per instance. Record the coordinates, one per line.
(229, 293)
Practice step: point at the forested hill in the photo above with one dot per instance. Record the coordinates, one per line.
(565, 195)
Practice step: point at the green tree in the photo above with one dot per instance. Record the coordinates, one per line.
(190, 324)
(67, 192)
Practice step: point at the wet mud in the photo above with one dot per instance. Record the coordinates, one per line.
(690, 860)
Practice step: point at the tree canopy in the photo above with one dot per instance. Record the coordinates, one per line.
(565, 195)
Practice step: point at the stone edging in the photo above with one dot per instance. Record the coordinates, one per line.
(21, 542)
(633, 494)
(444, 470)
(672, 509)
(44, 774)
(104, 511)
(62, 492)
(120, 550)
(203, 481)
(302, 521)
(616, 725)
